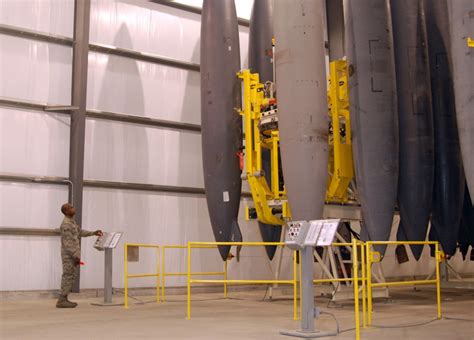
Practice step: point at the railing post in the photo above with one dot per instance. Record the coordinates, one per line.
(189, 283)
(438, 283)
(295, 288)
(364, 285)
(125, 278)
(355, 275)
(225, 279)
(158, 274)
(301, 284)
(369, 283)
(163, 273)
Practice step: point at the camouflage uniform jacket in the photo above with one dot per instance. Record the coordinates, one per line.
(70, 238)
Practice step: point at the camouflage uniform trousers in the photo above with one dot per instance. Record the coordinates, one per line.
(70, 251)
(69, 274)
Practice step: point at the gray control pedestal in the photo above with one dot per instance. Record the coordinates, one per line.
(106, 243)
(304, 236)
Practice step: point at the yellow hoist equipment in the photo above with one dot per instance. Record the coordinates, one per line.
(261, 132)
(340, 165)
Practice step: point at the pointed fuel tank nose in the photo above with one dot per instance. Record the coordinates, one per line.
(221, 125)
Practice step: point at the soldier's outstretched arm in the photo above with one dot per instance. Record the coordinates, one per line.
(70, 240)
(86, 233)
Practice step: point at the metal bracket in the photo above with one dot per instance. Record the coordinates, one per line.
(440, 256)
(60, 108)
(375, 256)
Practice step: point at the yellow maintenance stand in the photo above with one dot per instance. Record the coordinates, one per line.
(340, 165)
(258, 101)
(261, 132)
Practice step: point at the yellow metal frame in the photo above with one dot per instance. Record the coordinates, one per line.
(226, 281)
(364, 280)
(296, 281)
(340, 166)
(253, 101)
(439, 257)
(133, 276)
(470, 42)
(164, 274)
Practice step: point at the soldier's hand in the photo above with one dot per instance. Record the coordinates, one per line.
(77, 261)
(98, 233)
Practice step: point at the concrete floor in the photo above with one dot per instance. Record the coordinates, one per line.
(244, 316)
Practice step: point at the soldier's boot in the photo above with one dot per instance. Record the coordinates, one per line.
(74, 303)
(63, 302)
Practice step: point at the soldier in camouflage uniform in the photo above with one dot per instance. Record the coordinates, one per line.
(70, 252)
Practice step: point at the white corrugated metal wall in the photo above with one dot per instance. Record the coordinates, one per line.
(37, 143)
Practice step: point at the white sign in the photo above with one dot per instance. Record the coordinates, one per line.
(312, 236)
(328, 232)
(115, 240)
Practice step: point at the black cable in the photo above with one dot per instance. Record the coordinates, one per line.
(332, 297)
(196, 300)
(347, 330)
(152, 301)
(407, 325)
(352, 231)
(334, 317)
(458, 319)
(266, 292)
(395, 326)
(131, 297)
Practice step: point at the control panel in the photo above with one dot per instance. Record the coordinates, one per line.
(314, 233)
(107, 240)
(296, 234)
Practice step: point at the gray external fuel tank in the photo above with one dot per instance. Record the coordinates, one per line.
(374, 118)
(416, 174)
(449, 176)
(221, 123)
(302, 104)
(461, 20)
(261, 61)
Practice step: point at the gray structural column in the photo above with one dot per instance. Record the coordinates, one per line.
(78, 99)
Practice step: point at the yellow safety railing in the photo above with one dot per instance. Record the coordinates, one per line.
(367, 257)
(192, 245)
(165, 274)
(373, 257)
(132, 276)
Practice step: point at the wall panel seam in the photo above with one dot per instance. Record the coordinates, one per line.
(105, 115)
(99, 48)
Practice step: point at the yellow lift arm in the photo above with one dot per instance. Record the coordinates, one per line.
(340, 166)
(268, 198)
